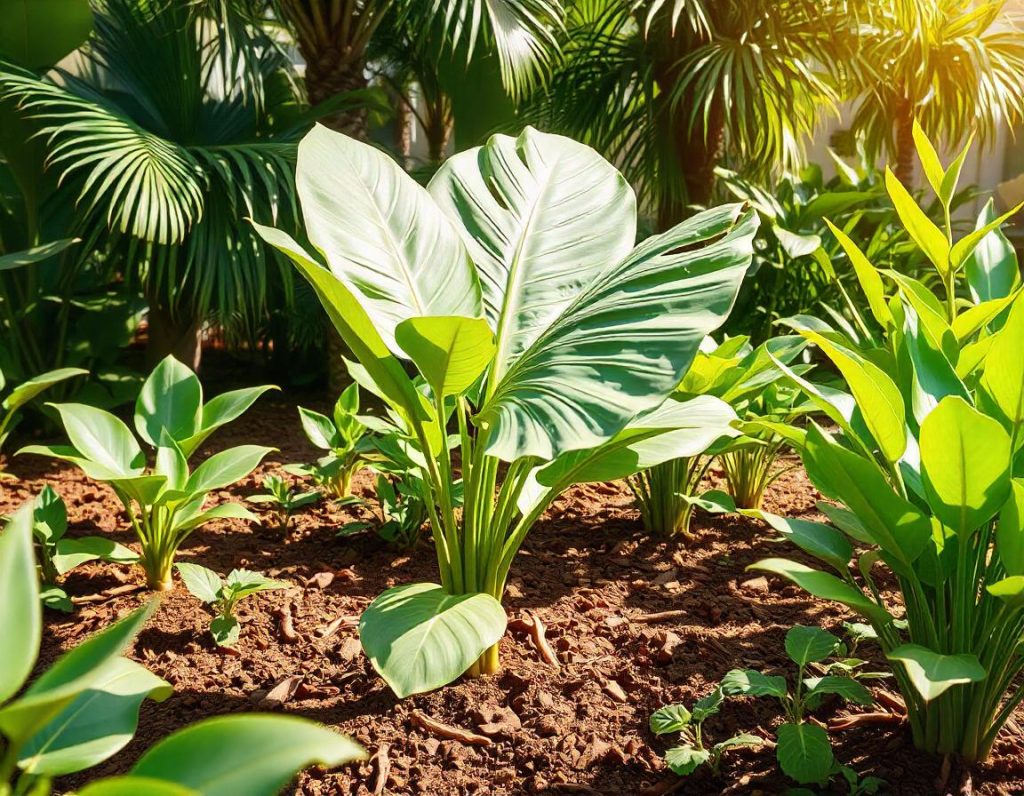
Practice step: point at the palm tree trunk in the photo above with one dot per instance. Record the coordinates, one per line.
(173, 334)
(329, 73)
(905, 149)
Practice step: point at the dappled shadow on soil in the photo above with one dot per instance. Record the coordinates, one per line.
(587, 571)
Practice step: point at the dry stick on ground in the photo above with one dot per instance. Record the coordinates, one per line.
(332, 627)
(658, 617)
(108, 594)
(538, 634)
(864, 719)
(383, 763)
(435, 727)
(287, 625)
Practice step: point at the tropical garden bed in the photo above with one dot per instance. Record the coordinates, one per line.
(589, 573)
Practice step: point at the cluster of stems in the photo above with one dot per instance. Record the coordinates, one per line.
(662, 491)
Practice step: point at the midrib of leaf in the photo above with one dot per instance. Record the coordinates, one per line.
(381, 221)
(509, 305)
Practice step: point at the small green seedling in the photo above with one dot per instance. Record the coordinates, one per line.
(402, 512)
(803, 748)
(284, 499)
(57, 554)
(164, 498)
(691, 754)
(340, 435)
(224, 595)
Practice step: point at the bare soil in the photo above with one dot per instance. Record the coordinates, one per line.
(587, 571)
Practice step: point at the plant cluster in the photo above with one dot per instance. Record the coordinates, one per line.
(343, 436)
(58, 554)
(165, 499)
(84, 709)
(285, 501)
(502, 310)
(923, 472)
(223, 594)
(725, 384)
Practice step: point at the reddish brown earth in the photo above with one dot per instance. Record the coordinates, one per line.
(587, 571)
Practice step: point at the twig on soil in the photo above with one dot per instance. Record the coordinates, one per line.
(864, 719)
(107, 594)
(892, 701)
(424, 722)
(661, 616)
(664, 787)
(332, 627)
(287, 624)
(538, 635)
(383, 764)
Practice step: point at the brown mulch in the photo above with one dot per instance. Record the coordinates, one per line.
(587, 572)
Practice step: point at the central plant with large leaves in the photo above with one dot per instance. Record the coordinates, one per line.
(539, 332)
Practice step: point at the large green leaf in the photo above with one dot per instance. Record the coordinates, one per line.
(74, 673)
(418, 637)
(991, 270)
(824, 586)
(922, 229)
(805, 644)
(685, 759)
(867, 275)
(20, 616)
(171, 400)
(39, 33)
(451, 353)
(541, 215)
(878, 398)
(896, 525)
(804, 752)
(934, 376)
(750, 682)
(679, 428)
(72, 551)
(670, 718)
(965, 247)
(96, 725)
(36, 254)
(353, 324)
(623, 345)
(382, 234)
(965, 461)
(225, 468)
(820, 540)
(102, 438)
(1010, 531)
(28, 390)
(222, 409)
(932, 673)
(251, 754)
(133, 786)
(1003, 376)
(319, 429)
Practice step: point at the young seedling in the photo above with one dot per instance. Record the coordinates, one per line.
(691, 754)
(58, 554)
(224, 595)
(803, 748)
(284, 499)
(341, 436)
(402, 511)
(164, 502)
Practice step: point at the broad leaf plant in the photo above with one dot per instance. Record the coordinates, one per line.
(536, 328)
